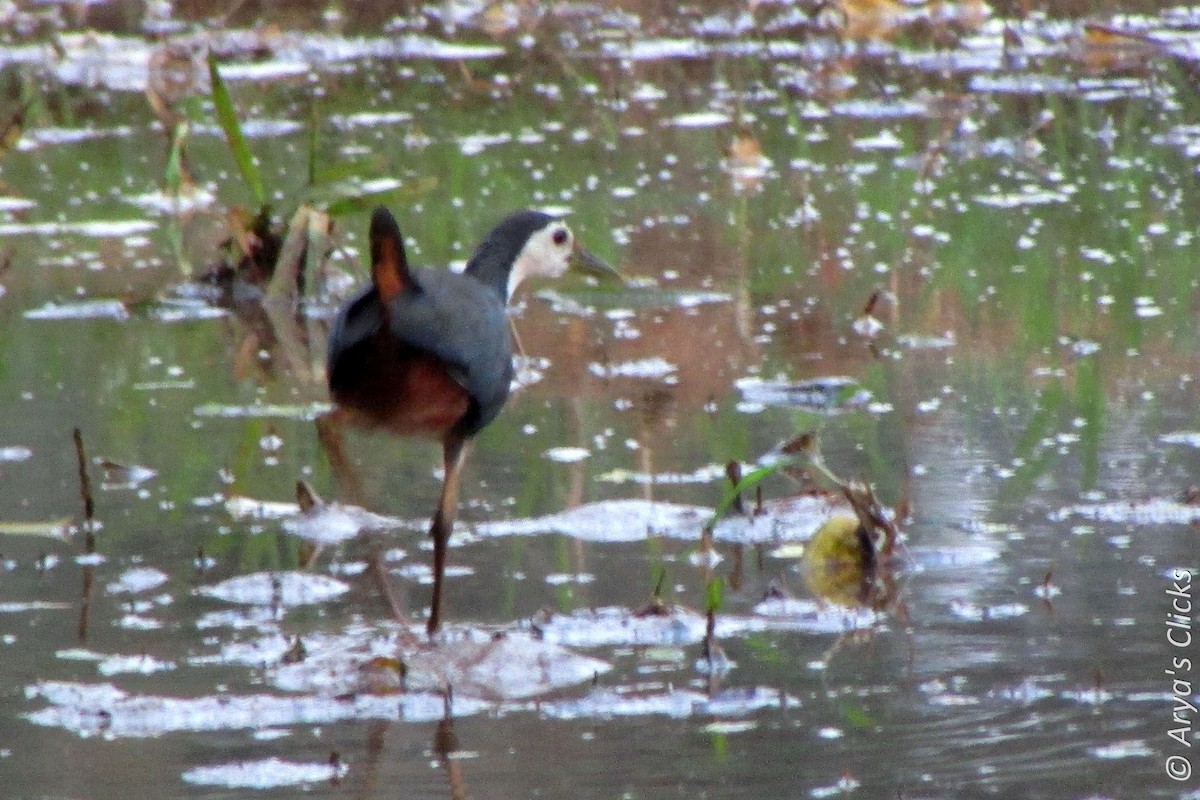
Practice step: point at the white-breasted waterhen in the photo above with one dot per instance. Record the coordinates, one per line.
(426, 352)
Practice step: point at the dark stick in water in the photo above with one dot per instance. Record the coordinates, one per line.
(89, 512)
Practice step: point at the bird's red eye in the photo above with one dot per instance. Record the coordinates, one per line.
(560, 236)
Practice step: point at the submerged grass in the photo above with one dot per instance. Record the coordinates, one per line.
(265, 250)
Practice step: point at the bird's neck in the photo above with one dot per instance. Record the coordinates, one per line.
(492, 264)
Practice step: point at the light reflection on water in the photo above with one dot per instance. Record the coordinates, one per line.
(1034, 234)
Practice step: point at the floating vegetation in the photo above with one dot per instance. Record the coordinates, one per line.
(850, 558)
(840, 562)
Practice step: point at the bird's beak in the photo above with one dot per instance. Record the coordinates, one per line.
(589, 264)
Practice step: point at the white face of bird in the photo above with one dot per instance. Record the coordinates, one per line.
(547, 253)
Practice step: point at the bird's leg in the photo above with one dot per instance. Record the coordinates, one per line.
(443, 523)
(516, 338)
(330, 427)
(378, 570)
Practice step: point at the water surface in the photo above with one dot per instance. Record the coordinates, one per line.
(1019, 191)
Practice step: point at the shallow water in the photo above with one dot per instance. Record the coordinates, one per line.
(1021, 193)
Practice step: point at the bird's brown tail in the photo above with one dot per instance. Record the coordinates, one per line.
(389, 265)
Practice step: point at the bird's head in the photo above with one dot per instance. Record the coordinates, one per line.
(530, 244)
(550, 252)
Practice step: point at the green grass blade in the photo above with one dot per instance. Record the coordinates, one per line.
(175, 174)
(228, 120)
(714, 596)
(314, 140)
(747, 482)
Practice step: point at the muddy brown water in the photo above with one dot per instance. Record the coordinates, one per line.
(1020, 190)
